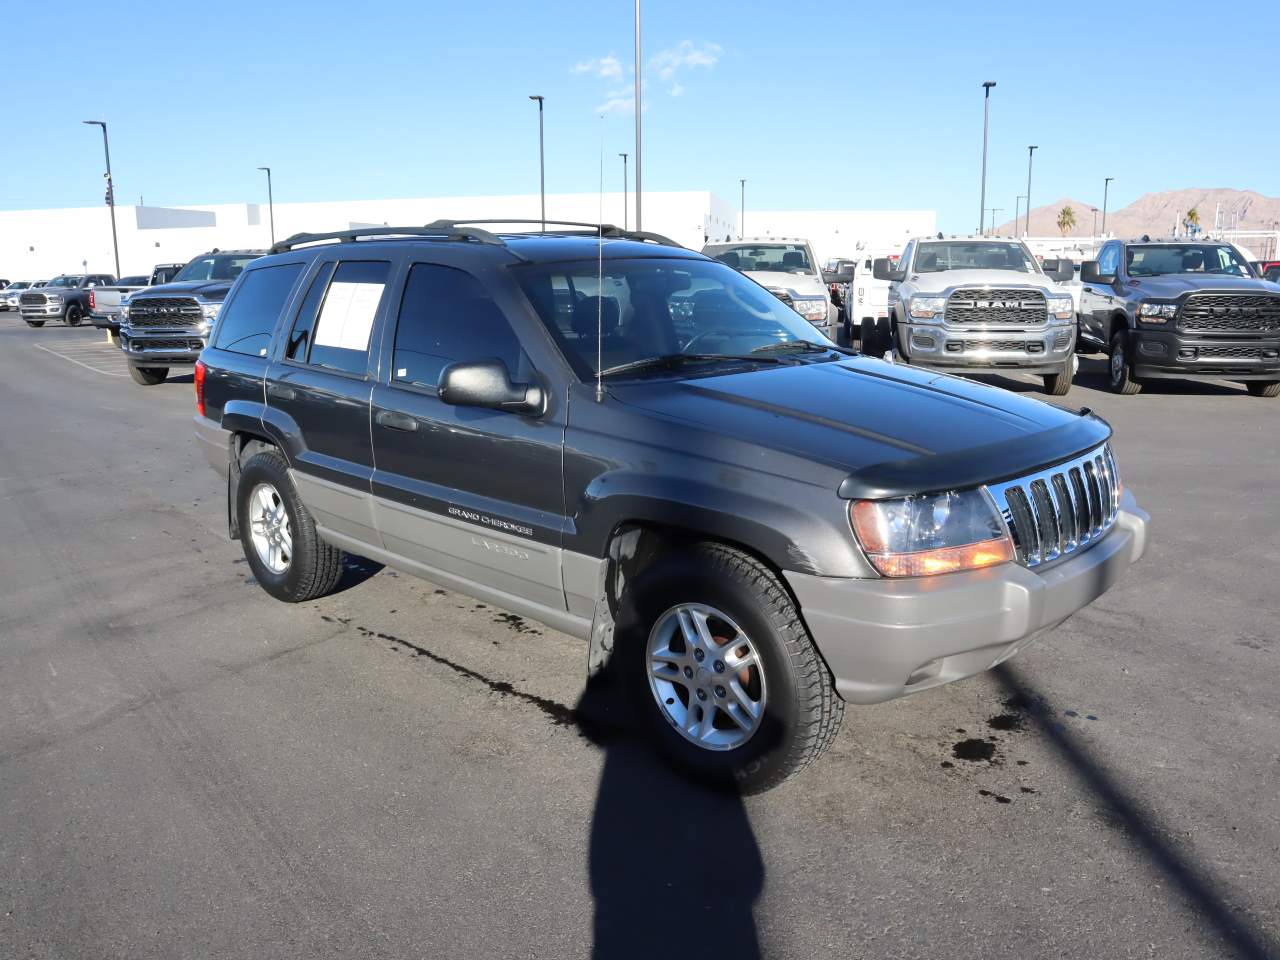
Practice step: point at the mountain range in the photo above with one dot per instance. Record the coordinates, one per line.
(1157, 213)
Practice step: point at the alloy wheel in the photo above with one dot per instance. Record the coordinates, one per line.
(269, 528)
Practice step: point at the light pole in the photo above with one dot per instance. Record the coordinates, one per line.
(986, 110)
(1106, 186)
(624, 190)
(994, 211)
(271, 205)
(639, 113)
(742, 209)
(542, 162)
(1093, 231)
(1017, 205)
(111, 193)
(1031, 152)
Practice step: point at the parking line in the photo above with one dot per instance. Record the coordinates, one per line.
(105, 373)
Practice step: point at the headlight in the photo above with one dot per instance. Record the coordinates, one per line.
(924, 536)
(54, 297)
(1157, 313)
(1061, 309)
(926, 308)
(813, 309)
(210, 310)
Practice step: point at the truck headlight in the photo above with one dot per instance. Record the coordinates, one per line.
(927, 308)
(1157, 314)
(1061, 309)
(210, 310)
(928, 535)
(54, 297)
(813, 309)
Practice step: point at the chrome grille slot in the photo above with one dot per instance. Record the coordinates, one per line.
(1059, 511)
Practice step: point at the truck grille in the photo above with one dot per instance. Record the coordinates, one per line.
(997, 305)
(1063, 509)
(164, 312)
(1230, 311)
(1234, 353)
(33, 300)
(157, 343)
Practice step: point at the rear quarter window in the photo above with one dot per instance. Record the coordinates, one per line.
(249, 318)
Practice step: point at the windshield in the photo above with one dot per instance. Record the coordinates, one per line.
(18, 285)
(652, 307)
(1156, 260)
(777, 257)
(216, 266)
(64, 282)
(940, 255)
(164, 274)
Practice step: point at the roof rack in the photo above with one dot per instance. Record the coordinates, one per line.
(441, 229)
(607, 230)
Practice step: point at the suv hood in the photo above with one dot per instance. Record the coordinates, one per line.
(1175, 285)
(802, 284)
(210, 289)
(928, 282)
(888, 428)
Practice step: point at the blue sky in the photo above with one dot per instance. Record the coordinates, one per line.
(819, 105)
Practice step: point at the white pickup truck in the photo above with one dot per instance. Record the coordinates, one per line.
(787, 268)
(979, 305)
(105, 302)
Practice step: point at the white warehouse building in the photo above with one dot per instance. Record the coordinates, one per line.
(38, 244)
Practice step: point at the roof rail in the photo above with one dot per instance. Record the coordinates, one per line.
(607, 230)
(441, 229)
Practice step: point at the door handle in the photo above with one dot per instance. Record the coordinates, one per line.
(1088, 289)
(281, 392)
(395, 421)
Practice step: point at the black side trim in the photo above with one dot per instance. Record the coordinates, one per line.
(992, 463)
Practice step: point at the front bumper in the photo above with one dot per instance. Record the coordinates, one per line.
(1168, 353)
(960, 349)
(161, 348)
(106, 321)
(888, 638)
(44, 311)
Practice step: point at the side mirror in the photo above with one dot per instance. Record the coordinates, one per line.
(883, 269)
(1059, 270)
(1089, 273)
(838, 276)
(487, 383)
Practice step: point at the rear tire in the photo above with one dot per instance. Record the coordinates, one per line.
(738, 597)
(287, 556)
(35, 323)
(1059, 384)
(1263, 388)
(148, 376)
(1120, 367)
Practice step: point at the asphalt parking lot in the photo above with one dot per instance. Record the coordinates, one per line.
(189, 768)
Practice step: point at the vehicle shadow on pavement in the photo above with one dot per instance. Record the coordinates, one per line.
(674, 866)
(1093, 375)
(1194, 883)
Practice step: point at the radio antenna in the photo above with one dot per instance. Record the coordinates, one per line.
(600, 278)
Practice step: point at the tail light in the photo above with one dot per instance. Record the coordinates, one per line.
(93, 303)
(199, 378)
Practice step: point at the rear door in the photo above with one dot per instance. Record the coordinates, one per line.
(318, 391)
(474, 494)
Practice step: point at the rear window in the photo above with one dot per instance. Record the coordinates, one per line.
(248, 319)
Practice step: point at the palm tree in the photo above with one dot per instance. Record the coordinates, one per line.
(1192, 221)
(1066, 220)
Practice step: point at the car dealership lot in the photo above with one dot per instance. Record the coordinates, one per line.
(188, 767)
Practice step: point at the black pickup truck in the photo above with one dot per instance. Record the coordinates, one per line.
(1180, 309)
(63, 298)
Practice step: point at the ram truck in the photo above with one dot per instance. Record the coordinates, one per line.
(64, 298)
(788, 269)
(105, 303)
(976, 305)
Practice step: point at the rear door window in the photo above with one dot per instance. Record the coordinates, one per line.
(336, 319)
(248, 320)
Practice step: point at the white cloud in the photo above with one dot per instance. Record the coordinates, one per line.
(617, 105)
(684, 56)
(676, 89)
(606, 68)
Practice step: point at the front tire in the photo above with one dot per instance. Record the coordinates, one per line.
(148, 376)
(73, 316)
(1120, 367)
(1059, 384)
(1263, 388)
(278, 535)
(722, 670)
(35, 323)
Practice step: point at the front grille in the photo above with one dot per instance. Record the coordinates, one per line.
(997, 346)
(1230, 311)
(783, 296)
(997, 305)
(33, 300)
(164, 312)
(160, 343)
(1063, 509)
(1233, 353)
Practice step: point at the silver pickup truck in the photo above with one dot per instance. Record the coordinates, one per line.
(105, 303)
(980, 305)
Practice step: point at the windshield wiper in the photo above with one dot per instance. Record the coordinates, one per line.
(786, 346)
(672, 360)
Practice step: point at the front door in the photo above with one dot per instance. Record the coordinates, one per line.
(318, 395)
(1097, 300)
(475, 493)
